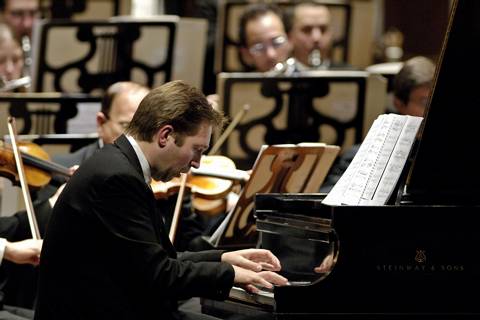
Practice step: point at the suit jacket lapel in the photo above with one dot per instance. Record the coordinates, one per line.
(160, 229)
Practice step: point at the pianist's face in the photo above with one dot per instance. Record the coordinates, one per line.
(11, 60)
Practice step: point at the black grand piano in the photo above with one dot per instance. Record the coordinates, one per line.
(416, 257)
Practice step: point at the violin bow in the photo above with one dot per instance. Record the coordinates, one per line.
(236, 120)
(32, 220)
(178, 207)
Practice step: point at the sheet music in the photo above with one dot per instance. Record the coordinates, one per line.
(375, 169)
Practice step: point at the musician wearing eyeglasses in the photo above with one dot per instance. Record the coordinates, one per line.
(263, 40)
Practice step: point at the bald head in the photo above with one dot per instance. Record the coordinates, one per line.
(119, 104)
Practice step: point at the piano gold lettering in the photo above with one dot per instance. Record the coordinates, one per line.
(420, 268)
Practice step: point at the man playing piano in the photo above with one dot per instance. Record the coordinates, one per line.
(106, 254)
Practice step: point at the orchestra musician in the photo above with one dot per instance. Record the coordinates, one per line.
(16, 247)
(262, 36)
(20, 16)
(309, 29)
(11, 58)
(127, 266)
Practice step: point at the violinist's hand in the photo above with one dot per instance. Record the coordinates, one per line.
(248, 174)
(23, 252)
(248, 265)
(72, 169)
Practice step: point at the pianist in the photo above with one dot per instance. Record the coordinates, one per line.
(126, 267)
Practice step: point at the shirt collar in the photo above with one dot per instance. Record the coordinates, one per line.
(147, 175)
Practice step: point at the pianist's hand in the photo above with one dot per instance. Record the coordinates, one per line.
(326, 265)
(253, 259)
(250, 280)
(248, 265)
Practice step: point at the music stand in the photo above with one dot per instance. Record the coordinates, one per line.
(285, 168)
(81, 56)
(47, 118)
(335, 107)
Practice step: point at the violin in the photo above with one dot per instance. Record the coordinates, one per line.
(201, 186)
(38, 167)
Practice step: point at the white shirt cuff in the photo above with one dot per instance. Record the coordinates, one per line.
(3, 244)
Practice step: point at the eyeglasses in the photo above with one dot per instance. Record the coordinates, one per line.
(20, 14)
(261, 47)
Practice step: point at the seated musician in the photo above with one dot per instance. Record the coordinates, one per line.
(309, 28)
(126, 266)
(20, 16)
(263, 40)
(411, 90)
(11, 58)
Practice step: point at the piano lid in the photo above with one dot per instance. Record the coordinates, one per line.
(446, 169)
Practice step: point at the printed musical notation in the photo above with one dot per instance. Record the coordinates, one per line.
(374, 171)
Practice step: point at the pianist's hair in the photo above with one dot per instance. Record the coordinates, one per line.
(417, 71)
(174, 103)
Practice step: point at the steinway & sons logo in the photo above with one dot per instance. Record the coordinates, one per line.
(420, 264)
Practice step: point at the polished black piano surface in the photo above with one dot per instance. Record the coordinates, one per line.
(415, 258)
(409, 261)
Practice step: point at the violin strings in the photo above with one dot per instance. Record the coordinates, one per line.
(44, 164)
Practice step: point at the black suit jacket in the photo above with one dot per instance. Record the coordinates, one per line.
(67, 160)
(106, 254)
(78, 157)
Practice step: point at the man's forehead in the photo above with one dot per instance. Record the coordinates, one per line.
(20, 4)
(312, 15)
(266, 22)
